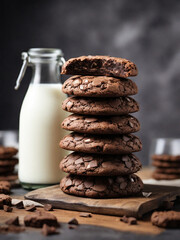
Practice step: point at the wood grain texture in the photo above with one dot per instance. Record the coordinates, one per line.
(144, 226)
(132, 206)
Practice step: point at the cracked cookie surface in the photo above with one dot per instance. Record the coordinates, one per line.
(100, 165)
(100, 106)
(102, 187)
(101, 124)
(121, 144)
(99, 86)
(100, 65)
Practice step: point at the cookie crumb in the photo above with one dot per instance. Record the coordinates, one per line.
(20, 205)
(48, 207)
(30, 208)
(86, 215)
(7, 208)
(47, 230)
(73, 221)
(129, 220)
(13, 221)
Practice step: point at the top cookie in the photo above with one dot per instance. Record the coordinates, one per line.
(99, 86)
(100, 65)
(7, 152)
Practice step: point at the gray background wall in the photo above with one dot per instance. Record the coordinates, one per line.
(144, 31)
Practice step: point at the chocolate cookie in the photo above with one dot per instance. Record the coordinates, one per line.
(168, 170)
(99, 86)
(5, 187)
(100, 65)
(100, 165)
(39, 218)
(7, 152)
(166, 157)
(6, 169)
(166, 164)
(165, 176)
(102, 187)
(121, 144)
(5, 199)
(100, 106)
(8, 162)
(10, 178)
(101, 124)
(166, 219)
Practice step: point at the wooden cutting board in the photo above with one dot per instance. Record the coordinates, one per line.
(132, 206)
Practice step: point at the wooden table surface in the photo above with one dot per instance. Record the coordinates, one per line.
(102, 222)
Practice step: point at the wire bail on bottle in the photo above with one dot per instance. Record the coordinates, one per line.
(45, 53)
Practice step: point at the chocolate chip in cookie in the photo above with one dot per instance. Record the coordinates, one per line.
(121, 144)
(100, 106)
(102, 187)
(100, 165)
(99, 86)
(101, 124)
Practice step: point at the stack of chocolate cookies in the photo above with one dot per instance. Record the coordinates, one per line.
(7, 163)
(102, 164)
(167, 167)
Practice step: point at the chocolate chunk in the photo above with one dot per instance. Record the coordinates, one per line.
(5, 199)
(86, 215)
(39, 218)
(99, 86)
(129, 220)
(99, 187)
(48, 207)
(13, 221)
(132, 221)
(131, 124)
(123, 185)
(20, 205)
(7, 208)
(124, 219)
(73, 221)
(31, 208)
(46, 230)
(92, 164)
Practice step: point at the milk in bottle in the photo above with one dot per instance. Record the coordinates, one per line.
(40, 119)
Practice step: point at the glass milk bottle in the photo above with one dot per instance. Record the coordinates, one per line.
(40, 118)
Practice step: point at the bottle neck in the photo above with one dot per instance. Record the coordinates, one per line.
(45, 72)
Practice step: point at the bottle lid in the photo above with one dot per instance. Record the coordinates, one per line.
(43, 54)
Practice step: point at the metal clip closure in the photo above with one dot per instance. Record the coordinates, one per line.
(23, 69)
